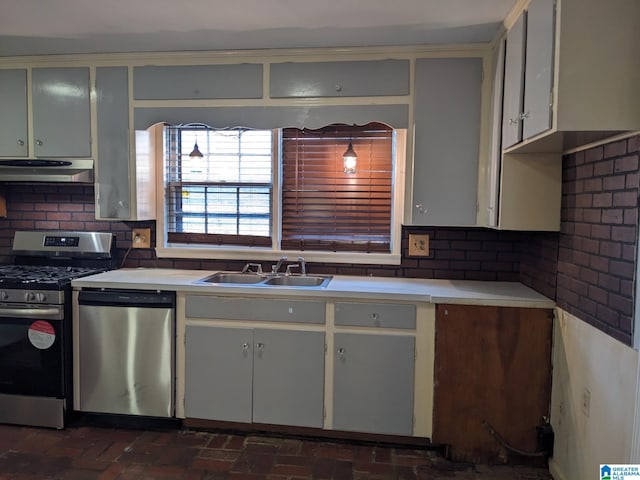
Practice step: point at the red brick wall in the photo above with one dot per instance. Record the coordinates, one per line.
(597, 250)
(456, 253)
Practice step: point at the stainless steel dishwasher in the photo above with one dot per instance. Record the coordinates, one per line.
(125, 352)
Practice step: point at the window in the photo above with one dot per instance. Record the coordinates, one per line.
(223, 196)
(283, 191)
(324, 208)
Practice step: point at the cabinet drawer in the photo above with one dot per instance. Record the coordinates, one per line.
(197, 81)
(383, 315)
(340, 79)
(260, 309)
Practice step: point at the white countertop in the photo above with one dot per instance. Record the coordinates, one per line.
(341, 286)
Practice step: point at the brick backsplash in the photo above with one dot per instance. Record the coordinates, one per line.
(597, 244)
(455, 253)
(539, 262)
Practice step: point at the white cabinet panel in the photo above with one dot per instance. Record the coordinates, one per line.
(260, 376)
(373, 383)
(288, 378)
(61, 112)
(446, 144)
(219, 373)
(513, 83)
(379, 315)
(538, 79)
(186, 82)
(340, 79)
(262, 309)
(13, 113)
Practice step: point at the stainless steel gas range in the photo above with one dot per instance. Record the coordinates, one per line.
(35, 321)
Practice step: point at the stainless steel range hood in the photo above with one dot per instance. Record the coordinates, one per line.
(46, 171)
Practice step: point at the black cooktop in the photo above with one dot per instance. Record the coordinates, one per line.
(42, 276)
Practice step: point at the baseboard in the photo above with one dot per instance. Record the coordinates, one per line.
(555, 471)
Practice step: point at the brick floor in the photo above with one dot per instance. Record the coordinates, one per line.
(93, 453)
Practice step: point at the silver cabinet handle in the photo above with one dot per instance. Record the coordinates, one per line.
(49, 313)
(514, 121)
(341, 352)
(338, 87)
(375, 316)
(259, 346)
(245, 346)
(524, 115)
(21, 143)
(421, 208)
(39, 143)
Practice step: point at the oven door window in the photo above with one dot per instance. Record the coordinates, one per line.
(31, 358)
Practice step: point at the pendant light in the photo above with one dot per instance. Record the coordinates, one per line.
(349, 159)
(196, 153)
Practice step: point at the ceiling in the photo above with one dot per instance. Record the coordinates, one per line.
(34, 27)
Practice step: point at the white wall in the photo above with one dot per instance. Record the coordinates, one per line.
(586, 358)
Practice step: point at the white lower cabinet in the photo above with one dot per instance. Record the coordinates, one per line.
(373, 383)
(345, 365)
(249, 375)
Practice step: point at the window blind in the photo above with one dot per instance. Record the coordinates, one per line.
(324, 208)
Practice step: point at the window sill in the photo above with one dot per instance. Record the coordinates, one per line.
(221, 253)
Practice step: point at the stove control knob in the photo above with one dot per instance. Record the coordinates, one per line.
(41, 296)
(29, 296)
(3, 295)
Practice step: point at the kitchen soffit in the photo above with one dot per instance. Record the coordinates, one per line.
(33, 27)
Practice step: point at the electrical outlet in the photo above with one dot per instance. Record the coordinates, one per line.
(141, 238)
(586, 402)
(418, 245)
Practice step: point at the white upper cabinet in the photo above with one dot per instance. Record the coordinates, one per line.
(13, 116)
(581, 74)
(61, 112)
(194, 82)
(339, 79)
(446, 143)
(538, 78)
(562, 87)
(125, 184)
(513, 83)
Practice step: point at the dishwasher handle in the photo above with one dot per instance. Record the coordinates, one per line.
(127, 298)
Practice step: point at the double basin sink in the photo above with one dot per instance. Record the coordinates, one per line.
(272, 280)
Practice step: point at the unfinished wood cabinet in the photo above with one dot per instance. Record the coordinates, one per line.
(493, 365)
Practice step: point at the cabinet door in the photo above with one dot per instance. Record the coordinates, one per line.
(288, 378)
(492, 364)
(197, 82)
(446, 144)
(538, 80)
(339, 79)
(373, 383)
(218, 364)
(495, 148)
(13, 116)
(61, 112)
(113, 192)
(513, 83)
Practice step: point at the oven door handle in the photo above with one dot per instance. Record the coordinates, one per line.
(50, 313)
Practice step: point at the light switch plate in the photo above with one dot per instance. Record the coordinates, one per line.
(418, 245)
